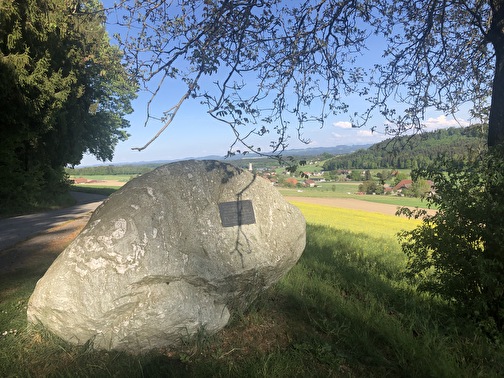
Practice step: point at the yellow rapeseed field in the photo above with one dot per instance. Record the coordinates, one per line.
(356, 220)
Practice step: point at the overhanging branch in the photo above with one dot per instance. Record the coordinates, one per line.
(173, 112)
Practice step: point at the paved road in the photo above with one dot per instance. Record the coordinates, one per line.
(17, 229)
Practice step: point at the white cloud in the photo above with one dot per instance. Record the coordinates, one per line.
(442, 121)
(336, 135)
(366, 133)
(343, 124)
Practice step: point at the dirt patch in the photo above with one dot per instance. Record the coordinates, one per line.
(351, 203)
(102, 183)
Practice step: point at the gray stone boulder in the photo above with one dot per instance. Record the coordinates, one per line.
(173, 252)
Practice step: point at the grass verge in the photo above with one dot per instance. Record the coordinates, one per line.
(51, 203)
(343, 311)
(103, 190)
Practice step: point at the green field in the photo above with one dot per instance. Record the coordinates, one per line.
(349, 190)
(121, 178)
(344, 310)
(336, 190)
(324, 190)
(100, 187)
(357, 221)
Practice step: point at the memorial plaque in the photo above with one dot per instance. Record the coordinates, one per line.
(236, 213)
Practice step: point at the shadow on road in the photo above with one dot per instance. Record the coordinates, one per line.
(17, 229)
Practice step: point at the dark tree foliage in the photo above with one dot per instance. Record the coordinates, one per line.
(63, 92)
(264, 65)
(371, 187)
(459, 252)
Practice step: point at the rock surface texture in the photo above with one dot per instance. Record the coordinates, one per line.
(174, 251)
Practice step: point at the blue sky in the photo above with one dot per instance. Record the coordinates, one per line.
(194, 133)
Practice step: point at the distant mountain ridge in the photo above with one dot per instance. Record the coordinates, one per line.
(401, 152)
(298, 152)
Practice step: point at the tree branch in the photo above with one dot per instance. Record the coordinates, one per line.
(173, 112)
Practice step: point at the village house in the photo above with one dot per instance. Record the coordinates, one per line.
(401, 185)
(310, 183)
(291, 181)
(406, 184)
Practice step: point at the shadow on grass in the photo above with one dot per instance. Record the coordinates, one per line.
(343, 310)
(104, 191)
(350, 295)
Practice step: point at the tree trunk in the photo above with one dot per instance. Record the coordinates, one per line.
(496, 37)
(496, 119)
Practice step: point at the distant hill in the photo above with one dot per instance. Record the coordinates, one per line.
(300, 152)
(408, 152)
(397, 153)
(134, 168)
(317, 151)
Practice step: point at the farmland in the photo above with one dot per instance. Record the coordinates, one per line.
(349, 190)
(326, 190)
(344, 310)
(357, 221)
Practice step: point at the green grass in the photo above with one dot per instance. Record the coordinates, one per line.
(103, 190)
(348, 190)
(327, 190)
(395, 200)
(344, 310)
(121, 178)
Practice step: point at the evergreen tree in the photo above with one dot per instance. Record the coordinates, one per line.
(411, 152)
(63, 92)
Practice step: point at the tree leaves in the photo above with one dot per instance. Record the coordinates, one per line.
(289, 64)
(458, 253)
(263, 52)
(67, 92)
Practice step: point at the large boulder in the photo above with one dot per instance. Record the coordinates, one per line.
(173, 252)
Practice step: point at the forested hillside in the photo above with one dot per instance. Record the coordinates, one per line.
(410, 152)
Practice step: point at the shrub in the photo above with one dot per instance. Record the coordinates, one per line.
(419, 188)
(458, 253)
(371, 187)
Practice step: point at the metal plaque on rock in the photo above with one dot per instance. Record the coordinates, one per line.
(236, 213)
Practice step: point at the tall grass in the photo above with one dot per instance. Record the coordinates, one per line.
(343, 311)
